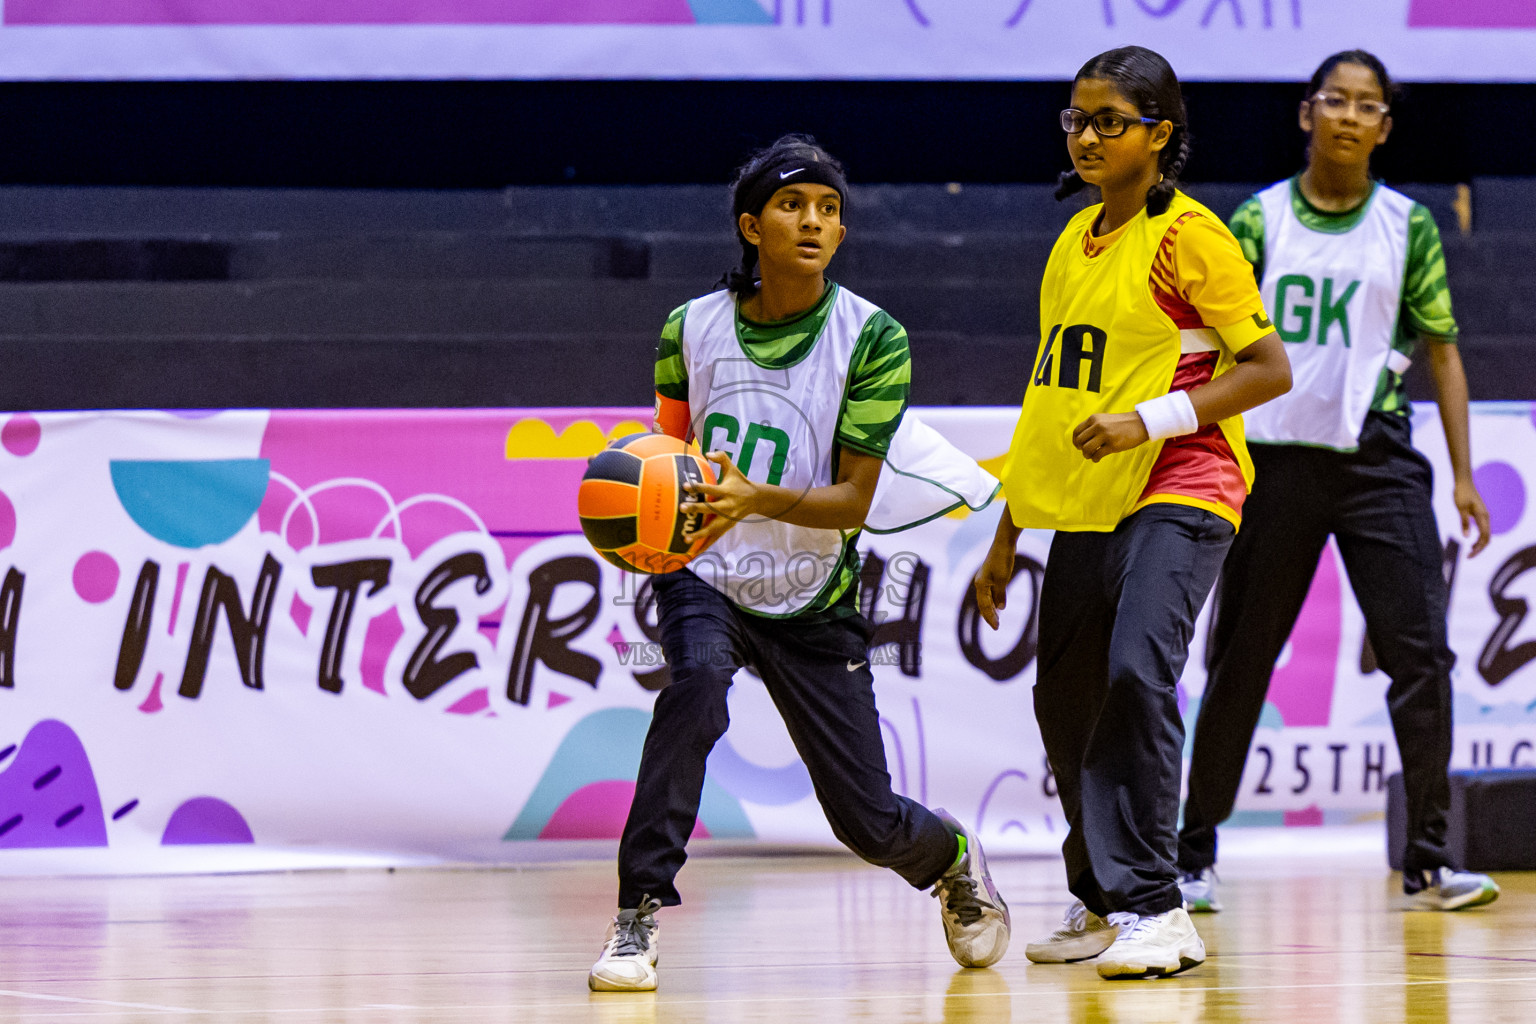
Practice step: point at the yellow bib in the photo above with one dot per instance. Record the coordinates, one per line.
(1106, 345)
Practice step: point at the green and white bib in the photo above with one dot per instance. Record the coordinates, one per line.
(1335, 298)
(782, 412)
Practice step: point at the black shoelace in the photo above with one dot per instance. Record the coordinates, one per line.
(958, 894)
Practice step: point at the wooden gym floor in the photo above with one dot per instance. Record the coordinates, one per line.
(787, 939)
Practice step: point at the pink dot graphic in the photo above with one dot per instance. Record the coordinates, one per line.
(7, 521)
(21, 434)
(96, 576)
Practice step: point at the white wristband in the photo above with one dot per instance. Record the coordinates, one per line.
(1168, 415)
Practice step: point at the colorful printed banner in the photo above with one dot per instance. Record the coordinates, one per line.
(387, 12)
(1473, 40)
(246, 638)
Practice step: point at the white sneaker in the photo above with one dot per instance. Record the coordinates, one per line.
(1083, 935)
(1154, 946)
(1199, 891)
(628, 961)
(976, 922)
(1446, 889)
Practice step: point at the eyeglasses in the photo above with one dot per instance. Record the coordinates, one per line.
(1334, 105)
(1106, 123)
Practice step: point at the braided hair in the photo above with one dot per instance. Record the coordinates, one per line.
(1144, 78)
(759, 178)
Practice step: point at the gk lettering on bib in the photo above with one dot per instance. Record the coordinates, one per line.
(1335, 297)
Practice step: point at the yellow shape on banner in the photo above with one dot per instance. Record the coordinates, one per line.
(536, 439)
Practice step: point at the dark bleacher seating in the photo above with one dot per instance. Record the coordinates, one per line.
(550, 296)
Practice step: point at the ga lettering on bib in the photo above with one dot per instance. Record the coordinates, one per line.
(1106, 345)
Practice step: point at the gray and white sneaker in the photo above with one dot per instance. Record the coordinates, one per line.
(1152, 947)
(1199, 891)
(628, 960)
(1083, 935)
(976, 922)
(1446, 889)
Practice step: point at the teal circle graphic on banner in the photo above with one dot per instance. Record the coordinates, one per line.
(191, 503)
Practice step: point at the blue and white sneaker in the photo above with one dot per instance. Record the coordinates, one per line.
(628, 960)
(1199, 890)
(1446, 889)
(976, 921)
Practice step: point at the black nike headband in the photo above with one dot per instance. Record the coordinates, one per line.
(796, 168)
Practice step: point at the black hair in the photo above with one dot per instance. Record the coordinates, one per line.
(1144, 78)
(749, 194)
(1390, 90)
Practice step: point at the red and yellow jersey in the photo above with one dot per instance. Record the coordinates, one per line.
(1162, 303)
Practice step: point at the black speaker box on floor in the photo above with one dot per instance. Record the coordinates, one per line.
(1492, 821)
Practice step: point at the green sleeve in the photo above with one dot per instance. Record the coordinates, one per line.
(1248, 227)
(671, 374)
(879, 383)
(1426, 294)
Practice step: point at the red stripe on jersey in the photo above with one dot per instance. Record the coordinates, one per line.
(1165, 288)
(1199, 465)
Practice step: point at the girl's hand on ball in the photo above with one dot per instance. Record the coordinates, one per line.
(724, 503)
(1105, 433)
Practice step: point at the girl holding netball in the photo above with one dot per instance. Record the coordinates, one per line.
(1357, 277)
(796, 389)
(1153, 342)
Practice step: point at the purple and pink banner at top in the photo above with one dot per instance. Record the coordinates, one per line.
(1421, 13)
(1442, 40)
(390, 12)
(1472, 14)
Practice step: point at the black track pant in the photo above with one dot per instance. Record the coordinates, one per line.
(1376, 502)
(1116, 614)
(819, 679)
